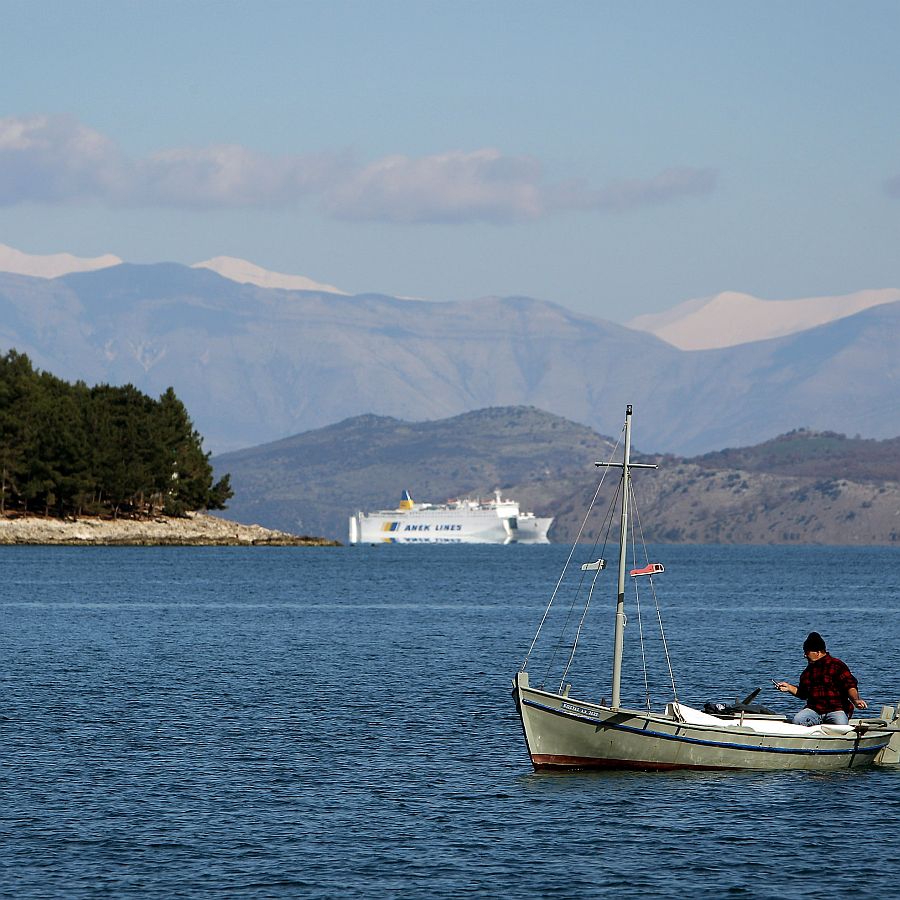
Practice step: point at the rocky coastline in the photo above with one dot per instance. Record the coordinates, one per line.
(193, 530)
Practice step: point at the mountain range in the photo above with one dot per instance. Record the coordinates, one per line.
(53, 265)
(254, 363)
(801, 487)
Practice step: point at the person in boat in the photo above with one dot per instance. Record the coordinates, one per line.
(827, 686)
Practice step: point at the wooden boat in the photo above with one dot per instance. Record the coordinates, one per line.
(564, 732)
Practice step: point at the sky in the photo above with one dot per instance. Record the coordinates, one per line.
(617, 158)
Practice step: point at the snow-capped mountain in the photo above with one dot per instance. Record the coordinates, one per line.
(255, 364)
(52, 265)
(244, 272)
(55, 265)
(732, 318)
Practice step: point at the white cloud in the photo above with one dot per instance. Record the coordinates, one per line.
(56, 159)
(231, 176)
(448, 187)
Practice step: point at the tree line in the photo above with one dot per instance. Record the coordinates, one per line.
(69, 449)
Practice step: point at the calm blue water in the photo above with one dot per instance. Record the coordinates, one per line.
(291, 722)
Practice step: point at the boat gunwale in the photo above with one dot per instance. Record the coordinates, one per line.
(854, 741)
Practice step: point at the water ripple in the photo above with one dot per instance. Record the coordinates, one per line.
(276, 723)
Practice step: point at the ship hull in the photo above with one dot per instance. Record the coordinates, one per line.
(447, 526)
(570, 734)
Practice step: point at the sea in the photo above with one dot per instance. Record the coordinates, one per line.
(337, 722)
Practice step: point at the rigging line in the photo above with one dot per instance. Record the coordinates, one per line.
(610, 510)
(562, 631)
(569, 559)
(578, 630)
(637, 597)
(662, 631)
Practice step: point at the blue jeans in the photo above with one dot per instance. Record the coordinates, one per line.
(808, 716)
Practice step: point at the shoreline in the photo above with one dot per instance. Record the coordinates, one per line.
(194, 530)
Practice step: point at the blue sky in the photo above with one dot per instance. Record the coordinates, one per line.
(617, 158)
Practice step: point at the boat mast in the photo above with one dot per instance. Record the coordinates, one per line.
(619, 638)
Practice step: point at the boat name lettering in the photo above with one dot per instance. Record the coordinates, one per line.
(436, 528)
(579, 709)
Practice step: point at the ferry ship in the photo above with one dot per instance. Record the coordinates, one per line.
(494, 521)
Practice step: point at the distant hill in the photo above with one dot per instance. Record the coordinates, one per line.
(813, 454)
(317, 479)
(794, 489)
(256, 364)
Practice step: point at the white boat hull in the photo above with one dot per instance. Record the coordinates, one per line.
(442, 526)
(562, 733)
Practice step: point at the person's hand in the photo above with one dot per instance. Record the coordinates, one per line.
(859, 703)
(782, 686)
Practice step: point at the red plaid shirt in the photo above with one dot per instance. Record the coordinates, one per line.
(824, 685)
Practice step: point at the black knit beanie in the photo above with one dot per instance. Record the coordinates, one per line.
(814, 641)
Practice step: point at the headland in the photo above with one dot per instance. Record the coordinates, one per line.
(193, 530)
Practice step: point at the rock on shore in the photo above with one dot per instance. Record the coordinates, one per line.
(194, 530)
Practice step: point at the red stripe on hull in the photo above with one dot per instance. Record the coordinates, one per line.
(545, 761)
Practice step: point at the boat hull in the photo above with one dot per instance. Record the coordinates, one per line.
(567, 734)
(448, 526)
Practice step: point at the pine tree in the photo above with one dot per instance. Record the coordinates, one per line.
(17, 387)
(68, 448)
